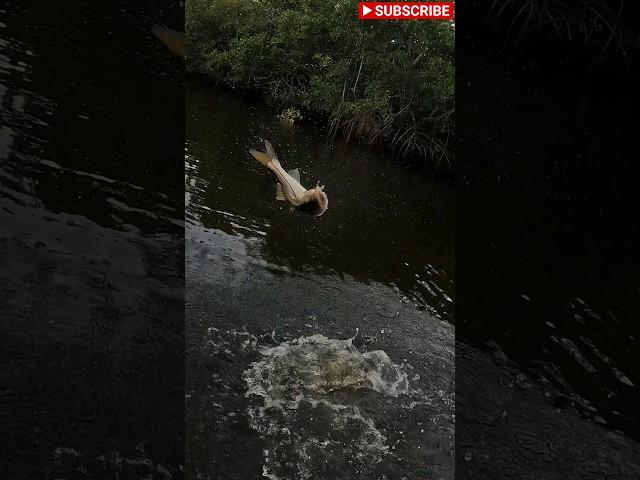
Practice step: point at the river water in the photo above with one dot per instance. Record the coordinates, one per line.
(316, 347)
(91, 242)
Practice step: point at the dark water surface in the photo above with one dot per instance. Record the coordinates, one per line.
(562, 251)
(91, 242)
(547, 358)
(278, 383)
(386, 223)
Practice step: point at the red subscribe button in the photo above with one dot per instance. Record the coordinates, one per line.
(405, 10)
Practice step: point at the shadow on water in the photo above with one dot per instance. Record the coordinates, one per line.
(385, 223)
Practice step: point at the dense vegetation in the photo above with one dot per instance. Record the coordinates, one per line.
(388, 84)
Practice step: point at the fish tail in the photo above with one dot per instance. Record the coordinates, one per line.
(270, 151)
(262, 157)
(265, 158)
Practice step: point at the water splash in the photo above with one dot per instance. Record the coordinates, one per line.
(310, 389)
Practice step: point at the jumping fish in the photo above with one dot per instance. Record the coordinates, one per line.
(172, 39)
(313, 201)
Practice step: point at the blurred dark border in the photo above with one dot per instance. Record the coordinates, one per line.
(92, 375)
(546, 208)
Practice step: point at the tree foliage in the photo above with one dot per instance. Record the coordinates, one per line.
(382, 82)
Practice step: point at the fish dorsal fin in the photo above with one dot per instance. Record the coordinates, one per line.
(279, 193)
(295, 173)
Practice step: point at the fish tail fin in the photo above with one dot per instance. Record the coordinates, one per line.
(262, 157)
(265, 157)
(270, 151)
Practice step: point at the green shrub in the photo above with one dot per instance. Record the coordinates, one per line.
(383, 83)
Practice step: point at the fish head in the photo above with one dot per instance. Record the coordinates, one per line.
(316, 202)
(321, 198)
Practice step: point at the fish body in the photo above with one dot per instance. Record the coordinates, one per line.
(313, 201)
(174, 40)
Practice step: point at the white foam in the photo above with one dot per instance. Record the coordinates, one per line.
(314, 374)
